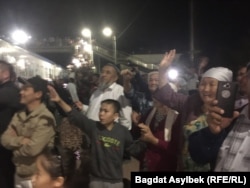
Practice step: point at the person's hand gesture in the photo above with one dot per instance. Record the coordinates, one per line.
(53, 94)
(135, 116)
(79, 105)
(167, 60)
(215, 121)
(147, 135)
(203, 63)
(127, 74)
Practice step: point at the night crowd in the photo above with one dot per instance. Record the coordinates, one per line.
(80, 132)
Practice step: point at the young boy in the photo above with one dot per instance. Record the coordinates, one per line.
(109, 141)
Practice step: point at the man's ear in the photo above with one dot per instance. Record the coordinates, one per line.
(116, 77)
(116, 116)
(59, 181)
(39, 94)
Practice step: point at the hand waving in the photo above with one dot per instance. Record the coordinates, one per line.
(127, 74)
(53, 94)
(164, 65)
(167, 60)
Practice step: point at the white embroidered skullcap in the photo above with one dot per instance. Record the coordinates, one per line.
(219, 73)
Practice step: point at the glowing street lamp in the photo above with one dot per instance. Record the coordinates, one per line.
(86, 33)
(107, 31)
(20, 37)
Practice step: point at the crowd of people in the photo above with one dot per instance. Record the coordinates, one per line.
(50, 137)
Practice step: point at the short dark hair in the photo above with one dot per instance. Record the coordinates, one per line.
(38, 84)
(71, 79)
(116, 105)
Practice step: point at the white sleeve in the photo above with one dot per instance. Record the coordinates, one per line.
(126, 111)
(73, 93)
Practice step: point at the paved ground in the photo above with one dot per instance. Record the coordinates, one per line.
(130, 166)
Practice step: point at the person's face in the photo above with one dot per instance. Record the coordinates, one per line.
(242, 79)
(4, 75)
(42, 179)
(207, 89)
(108, 75)
(153, 82)
(28, 95)
(106, 114)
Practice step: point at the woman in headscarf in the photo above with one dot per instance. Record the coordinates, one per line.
(192, 108)
(160, 130)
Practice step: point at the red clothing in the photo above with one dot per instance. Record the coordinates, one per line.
(162, 157)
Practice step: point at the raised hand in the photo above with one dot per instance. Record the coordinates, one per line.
(53, 94)
(216, 122)
(167, 60)
(78, 105)
(203, 63)
(127, 74)
(164, 65)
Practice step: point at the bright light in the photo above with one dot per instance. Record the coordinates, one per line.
(21, 64)
(78, 65)
(86, 33)
(88, 48)
(20, 36)
(69, 66)
(75, 61)
(11, 59)
(107, 31)
(172, 74)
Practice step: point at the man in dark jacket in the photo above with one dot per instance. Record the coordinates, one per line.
(9, 104)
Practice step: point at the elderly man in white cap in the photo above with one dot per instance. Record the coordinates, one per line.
(108, 88)
(193, 109)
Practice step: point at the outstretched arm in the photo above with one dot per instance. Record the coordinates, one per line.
(78, 119)
(56, 98)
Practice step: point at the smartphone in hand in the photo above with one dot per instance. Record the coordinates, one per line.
(226, 96)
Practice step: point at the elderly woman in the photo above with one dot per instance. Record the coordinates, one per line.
(192, 108)
(160, 130)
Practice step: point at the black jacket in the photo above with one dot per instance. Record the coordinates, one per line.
(9, 103)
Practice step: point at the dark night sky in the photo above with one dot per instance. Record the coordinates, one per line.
(221, 27)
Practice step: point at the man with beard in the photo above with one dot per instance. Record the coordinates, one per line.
(9, 104)
(109, 89)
